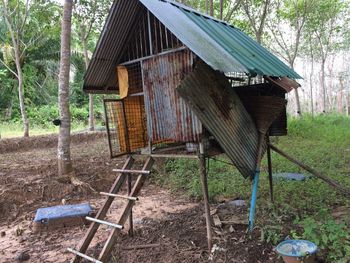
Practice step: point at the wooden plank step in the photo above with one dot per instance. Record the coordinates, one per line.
(126, 171)
(120, 196)
(83, 255)
(104, 222)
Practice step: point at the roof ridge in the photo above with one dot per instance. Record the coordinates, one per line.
(190, 9)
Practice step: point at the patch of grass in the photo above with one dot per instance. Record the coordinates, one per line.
(15, 129)
(323, 143)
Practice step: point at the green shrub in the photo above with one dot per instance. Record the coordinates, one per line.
(332, 238)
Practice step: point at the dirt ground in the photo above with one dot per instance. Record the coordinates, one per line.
(172, 226)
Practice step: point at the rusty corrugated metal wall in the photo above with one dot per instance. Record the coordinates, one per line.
(168, 116)
(221, 111)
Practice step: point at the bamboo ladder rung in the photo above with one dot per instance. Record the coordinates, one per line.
(104, 222)
(120, 196)
(126, 171)
(83, 255)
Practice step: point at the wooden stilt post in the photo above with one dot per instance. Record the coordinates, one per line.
(204, 182)
(269, 167)
(131, 225)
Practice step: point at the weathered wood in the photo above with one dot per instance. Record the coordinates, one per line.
(269, 167)
(204, 183)
(343, 190)
(77, 253)
(174, 50)
(107, 249)
(126, 171)
(217, 221)
(120, 196)
(103, 222)
(189, 156)
(131, 224)
(83, 246)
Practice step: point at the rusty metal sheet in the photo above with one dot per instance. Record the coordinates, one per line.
(218, 107)
(168, 116)
(285, 83)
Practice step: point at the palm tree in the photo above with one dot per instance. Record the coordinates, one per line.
(63, 152)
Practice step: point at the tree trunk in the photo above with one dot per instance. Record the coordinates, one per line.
(296, 92)
(212, 7)
(323, 86)
(63, 152)
(91, 97)
(311, 82)
(341, 95)
(221, 8)
(347, 98)
(21, 94)
(8, 114)
(297, 101)
(19, 76)
(311, 91)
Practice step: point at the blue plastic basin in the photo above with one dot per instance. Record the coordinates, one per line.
(296, 248)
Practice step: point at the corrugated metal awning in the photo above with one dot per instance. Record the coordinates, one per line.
(222, 113)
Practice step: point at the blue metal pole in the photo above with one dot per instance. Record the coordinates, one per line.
(253, 200)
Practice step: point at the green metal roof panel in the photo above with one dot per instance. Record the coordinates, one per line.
(227, 48)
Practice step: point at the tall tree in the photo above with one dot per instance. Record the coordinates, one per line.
(257, 12)
(324, 27)
(15, 16)
(25, 29)
(287, 29)
(89, 17)
(63, 152)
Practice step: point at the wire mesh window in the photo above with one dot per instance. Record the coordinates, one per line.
(238, 79)
(135, 78)
(126, 125)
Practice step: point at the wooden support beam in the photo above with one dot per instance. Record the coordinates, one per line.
(189, 156)
(343, 190)
(204, 182)
(269, 167)
(131, 225)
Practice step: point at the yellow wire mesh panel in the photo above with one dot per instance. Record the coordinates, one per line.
(126, 125)
(115, 127)
(136, 122)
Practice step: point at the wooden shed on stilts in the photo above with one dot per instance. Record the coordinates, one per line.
(184, 81)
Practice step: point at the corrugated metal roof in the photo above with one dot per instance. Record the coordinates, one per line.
(122, 16)
(220, 45)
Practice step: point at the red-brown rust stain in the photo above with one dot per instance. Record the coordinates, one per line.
(170, 115)
(222, 102)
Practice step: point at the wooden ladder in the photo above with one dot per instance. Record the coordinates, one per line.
(133, 192)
